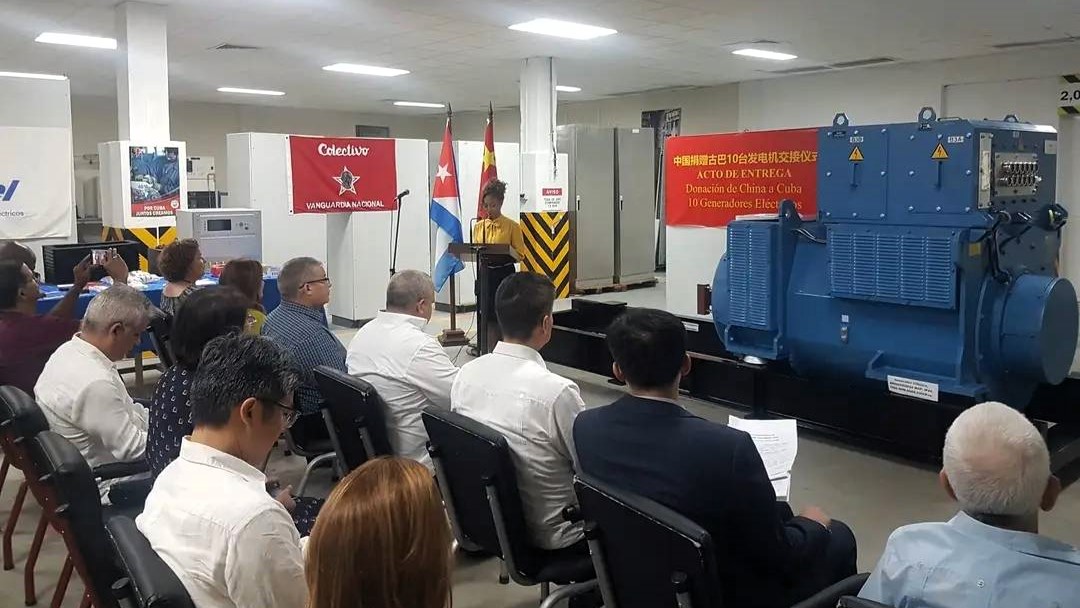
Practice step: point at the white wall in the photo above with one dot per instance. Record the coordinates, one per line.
(204, 125)
(38, 103)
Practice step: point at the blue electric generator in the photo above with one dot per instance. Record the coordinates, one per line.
(932, 265)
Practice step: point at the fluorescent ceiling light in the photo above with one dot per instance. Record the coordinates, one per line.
(250, 91)
(763, 54)
(369, 70)
(35, 76)
(419, 104)
(563, 29)
(77, 40)
(567, 89)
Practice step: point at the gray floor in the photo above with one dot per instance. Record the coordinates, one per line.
(874, 494)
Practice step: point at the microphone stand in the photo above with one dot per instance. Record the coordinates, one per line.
(397, 232)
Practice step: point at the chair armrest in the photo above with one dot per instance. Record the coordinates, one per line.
(849, 601)
(829, 596)
(114, 470)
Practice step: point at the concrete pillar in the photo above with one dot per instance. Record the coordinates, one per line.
(537, 105)
(142, 72)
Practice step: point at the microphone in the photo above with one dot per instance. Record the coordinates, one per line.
(402, 194)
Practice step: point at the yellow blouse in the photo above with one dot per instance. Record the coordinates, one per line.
(255, 320)
(502, 231)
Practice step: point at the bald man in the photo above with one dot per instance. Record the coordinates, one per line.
(408, 367)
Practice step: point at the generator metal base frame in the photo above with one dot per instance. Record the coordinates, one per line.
(866, 416)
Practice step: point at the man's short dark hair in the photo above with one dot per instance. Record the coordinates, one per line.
(12, 280)
(236, 367)
(521, 303)
(206, 314)
(649, 345)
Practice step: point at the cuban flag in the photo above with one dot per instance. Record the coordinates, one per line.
(445, 213)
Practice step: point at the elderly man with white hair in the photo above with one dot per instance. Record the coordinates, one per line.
(81, 391)
(997, 467)
(408, 367)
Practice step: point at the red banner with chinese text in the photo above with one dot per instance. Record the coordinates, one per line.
(342, 174)
(711, 179)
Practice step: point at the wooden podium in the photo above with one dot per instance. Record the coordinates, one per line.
(486, 256)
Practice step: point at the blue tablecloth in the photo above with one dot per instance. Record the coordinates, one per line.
(53, 295)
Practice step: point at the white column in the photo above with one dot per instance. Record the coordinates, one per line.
(142, 72)
(537, 104)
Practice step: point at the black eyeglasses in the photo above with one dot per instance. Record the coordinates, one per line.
(322, 280)
(290, 415)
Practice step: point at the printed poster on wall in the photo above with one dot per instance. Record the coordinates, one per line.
(155, 180)
(36, 174)
(342, 174)
(711, 179)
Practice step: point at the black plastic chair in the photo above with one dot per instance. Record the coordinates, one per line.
(850, 601)
(354, 416)
(479, 486)
(645, 554)
(71, 500)
(20, 420)
(648, 556)
(150, 583)
(160, 331)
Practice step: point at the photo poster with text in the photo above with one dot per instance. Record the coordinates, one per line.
(155, 180)
(709, 180)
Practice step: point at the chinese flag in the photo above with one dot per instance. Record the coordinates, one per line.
(488, 172)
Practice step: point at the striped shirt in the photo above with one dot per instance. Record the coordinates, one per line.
(304, 334)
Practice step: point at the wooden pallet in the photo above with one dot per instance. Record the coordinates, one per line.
(616, 288)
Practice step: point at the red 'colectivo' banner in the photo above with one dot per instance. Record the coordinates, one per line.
(342, 174)
(711, 179)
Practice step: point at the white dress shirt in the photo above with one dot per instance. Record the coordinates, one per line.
(964, 563)
(512, 391)
(410, 370)
(86, 402)
(231, 544)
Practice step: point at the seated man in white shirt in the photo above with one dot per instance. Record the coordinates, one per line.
(408, 367)
(80, 390)
(512, 391)
(209, 515)
(996, 465)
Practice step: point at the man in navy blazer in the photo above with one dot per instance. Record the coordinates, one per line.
(647, 444)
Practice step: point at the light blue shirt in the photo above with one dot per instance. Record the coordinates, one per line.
(965, 563)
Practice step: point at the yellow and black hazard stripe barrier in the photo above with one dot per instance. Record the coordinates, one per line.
(148, 238)
(547, 244)
(1069, 97)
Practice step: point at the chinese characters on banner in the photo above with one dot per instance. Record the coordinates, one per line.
(342, 174)
(711, 179)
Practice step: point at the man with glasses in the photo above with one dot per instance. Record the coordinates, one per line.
(209, 515)
(299, 327)
(80, 390)
(27, 339)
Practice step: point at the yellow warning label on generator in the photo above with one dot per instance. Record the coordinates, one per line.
(856, 155)
(940, 153)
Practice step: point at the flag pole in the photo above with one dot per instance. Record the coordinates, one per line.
(453, 336)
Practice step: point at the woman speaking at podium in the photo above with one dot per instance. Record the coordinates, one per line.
(495, 229)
